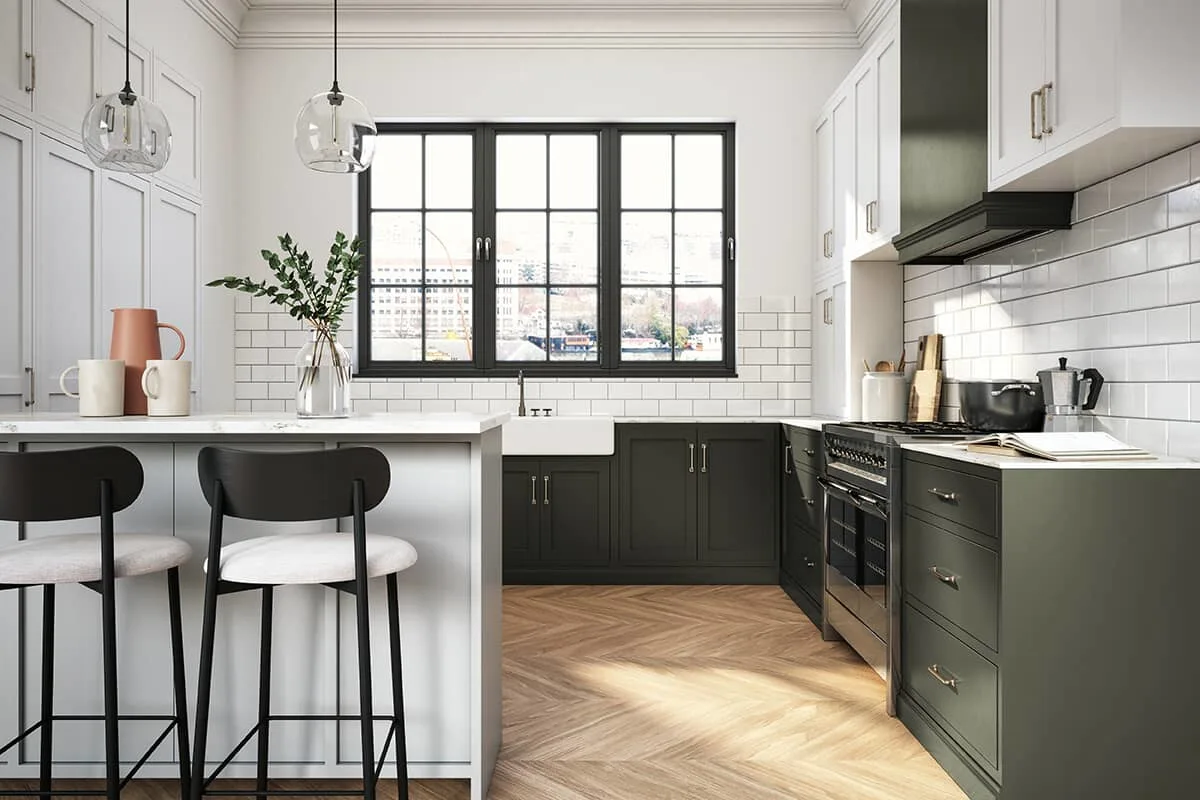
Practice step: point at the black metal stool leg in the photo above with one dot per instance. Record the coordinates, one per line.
(364, 687)
(182, 731)
(112, 750)
(397, 689)
(204, 683)
(47, 744)
(264, 693)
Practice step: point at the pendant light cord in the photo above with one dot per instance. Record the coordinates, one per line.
(128, 90)
(335, 89)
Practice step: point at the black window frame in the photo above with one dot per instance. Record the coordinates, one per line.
(608, 365)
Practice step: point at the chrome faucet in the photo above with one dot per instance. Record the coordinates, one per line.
(521, 386)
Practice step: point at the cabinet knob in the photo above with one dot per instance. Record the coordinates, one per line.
(810, 501)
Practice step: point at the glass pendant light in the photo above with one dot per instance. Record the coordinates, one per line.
(126, 133)
(334, 131)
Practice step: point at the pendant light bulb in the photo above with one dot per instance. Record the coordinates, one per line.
(334, 131)
(126, 133)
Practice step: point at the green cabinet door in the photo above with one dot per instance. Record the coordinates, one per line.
(521, 515)
(576, 513)
(739, 494)
(658, 465)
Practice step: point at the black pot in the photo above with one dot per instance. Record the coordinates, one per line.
(1002, 405)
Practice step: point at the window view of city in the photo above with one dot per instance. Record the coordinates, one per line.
(546, 264)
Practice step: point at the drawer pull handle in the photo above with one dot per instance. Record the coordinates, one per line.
(945, 497)
(787, 460)
(808, 451)
(944, 577)
(936, 672)
(810, 501)
(808, 562)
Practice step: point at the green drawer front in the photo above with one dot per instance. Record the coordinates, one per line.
(957, 496)
(970, 705)
(965, 587)
(805, 503)
(806, 447)
(809, 564)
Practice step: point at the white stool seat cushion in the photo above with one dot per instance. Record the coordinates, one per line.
(311, 558)
(75, 558)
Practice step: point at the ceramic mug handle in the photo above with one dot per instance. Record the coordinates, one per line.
(146, 382)
(62, 381)
(182, 341)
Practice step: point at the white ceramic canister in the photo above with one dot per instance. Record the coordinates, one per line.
(884, 397)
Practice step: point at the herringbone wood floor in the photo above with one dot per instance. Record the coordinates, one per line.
(686, 693)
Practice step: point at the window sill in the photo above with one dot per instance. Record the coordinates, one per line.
(635, 372)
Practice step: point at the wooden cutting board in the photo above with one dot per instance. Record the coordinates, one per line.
(925, 396)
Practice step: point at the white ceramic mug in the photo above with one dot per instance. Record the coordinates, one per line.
(101, 386)
(167, 385)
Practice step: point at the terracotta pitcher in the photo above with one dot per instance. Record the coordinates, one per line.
(135, 341)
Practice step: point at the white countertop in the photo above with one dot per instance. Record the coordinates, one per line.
(250, 424)
(1028, 462)
(812, 423)
(809, 423)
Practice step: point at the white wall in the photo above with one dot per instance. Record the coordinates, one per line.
(1120, 291)
(772, 95)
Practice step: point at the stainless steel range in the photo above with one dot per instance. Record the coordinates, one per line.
(863, 513)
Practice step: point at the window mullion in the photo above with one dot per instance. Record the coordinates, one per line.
(610, 249)
(485, 225)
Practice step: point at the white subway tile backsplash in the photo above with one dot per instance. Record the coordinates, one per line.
(1167, 400)
(1183, 206)
(1127, 188)
(1148, 290)
(1147, 217)
(1169, 249)
(1183, 284)
(1127, 259)
(1108, 229)
(1167, 173)
(1169, 325)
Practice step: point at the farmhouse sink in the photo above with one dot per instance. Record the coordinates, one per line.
(559, 436)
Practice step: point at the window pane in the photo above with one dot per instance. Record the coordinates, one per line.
(396, 172)
(646, 247)
(448, 333)
(699, 251)
(396, 247)
(396, 324)
(574, 247)
(645, 171)
(520, 324)
(698, 311)
(574, 172)
(520, 171)
(449, 247)
(645, 324)
(521, 247)
(449, 161)
(573, 316)
(699, 171)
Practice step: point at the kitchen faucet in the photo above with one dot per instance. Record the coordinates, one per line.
(521, 387)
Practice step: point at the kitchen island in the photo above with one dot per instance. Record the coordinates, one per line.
(444, 499)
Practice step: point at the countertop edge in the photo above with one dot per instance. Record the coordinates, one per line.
(1028, 462)
(447, 424)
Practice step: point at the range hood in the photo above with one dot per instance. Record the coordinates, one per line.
(946, 213)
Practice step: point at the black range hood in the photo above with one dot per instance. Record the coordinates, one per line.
(946, 213)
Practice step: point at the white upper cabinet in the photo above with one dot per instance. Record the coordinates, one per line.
(1080, 90)
(124, 248)
(875, 85)
(112, 64)
(66, 62)
(175, 270)
(16, 231)
(824, 203)
(835, 180)
(179, 99)
(16, 64)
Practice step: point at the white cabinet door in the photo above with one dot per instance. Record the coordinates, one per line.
(886, 215)
(1016, 72)
(124, 248)
(179, 99)
(865, 87)
(839, 331)
(16, 238)
(1081, 67)
(822, 354)
(824, 231)
(66, 232)
(65, 47)
(16, 30)
(112, 64)
(843, 174)
(174, 267)
(143, 632)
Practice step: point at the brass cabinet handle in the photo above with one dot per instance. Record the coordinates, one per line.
(32, 398)
(936, 671)
(1033, 126)
(32, 84)
(872, 222)
(787, 459)
(545, 490)
(945, 497)
(1045, 93)
(944, 577)
(704, 457)
(691, 457)
(533, 490)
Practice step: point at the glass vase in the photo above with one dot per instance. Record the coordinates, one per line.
(322, 378)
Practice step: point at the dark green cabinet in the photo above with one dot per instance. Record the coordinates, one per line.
(658, 467)
(739, 504)
(557, 512)
(802, 559)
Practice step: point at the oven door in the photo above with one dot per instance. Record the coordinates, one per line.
(856, 544)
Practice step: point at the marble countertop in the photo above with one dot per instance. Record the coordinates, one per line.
(812, 423)
(1028, 462)
(250, 424)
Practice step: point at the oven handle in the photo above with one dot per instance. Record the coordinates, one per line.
(862, 501)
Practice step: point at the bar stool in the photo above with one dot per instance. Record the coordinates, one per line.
(78, 484)
(296, 487)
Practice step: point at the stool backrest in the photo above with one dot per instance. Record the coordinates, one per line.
(293, 487)
(65, 484)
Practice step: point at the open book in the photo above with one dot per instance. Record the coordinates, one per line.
(1097, 446)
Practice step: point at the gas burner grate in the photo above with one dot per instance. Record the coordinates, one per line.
(919, 428)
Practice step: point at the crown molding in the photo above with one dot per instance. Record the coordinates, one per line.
(868, 15)
(600, 25)
(223, 16)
